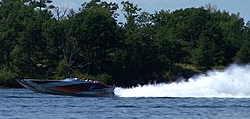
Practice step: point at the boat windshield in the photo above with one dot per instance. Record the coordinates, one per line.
(70, 79)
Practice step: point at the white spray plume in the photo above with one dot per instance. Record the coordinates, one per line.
(233, 82)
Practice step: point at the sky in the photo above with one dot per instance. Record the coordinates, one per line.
(231, 6)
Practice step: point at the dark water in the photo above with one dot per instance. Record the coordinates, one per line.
(25, 104)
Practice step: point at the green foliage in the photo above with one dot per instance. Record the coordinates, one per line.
(105, 78)
(243, 55)
(7, 76)
(203, 55)
(62, 70)
(91, 43)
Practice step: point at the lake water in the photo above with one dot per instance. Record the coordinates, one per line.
(24, 104)
(216, 95)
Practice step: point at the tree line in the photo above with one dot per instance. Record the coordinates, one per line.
(39, 40)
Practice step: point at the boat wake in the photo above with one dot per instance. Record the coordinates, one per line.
(233, 82)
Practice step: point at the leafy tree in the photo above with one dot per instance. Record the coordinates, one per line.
(243, 55)
(11, 13)
(7, 77)
(94, 32)
(31, 46)
(160, 18)
(232, 31)
(133, 42)
(203, 57)
(43, 4)
(62, 70)
(187, 25)
(91, 42)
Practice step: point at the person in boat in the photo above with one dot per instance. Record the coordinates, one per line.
(85, 79)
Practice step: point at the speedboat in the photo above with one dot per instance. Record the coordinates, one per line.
(68, 86)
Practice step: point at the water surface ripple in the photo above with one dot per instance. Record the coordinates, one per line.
(23, 104)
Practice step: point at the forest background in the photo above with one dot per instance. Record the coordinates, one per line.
(42, 41)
